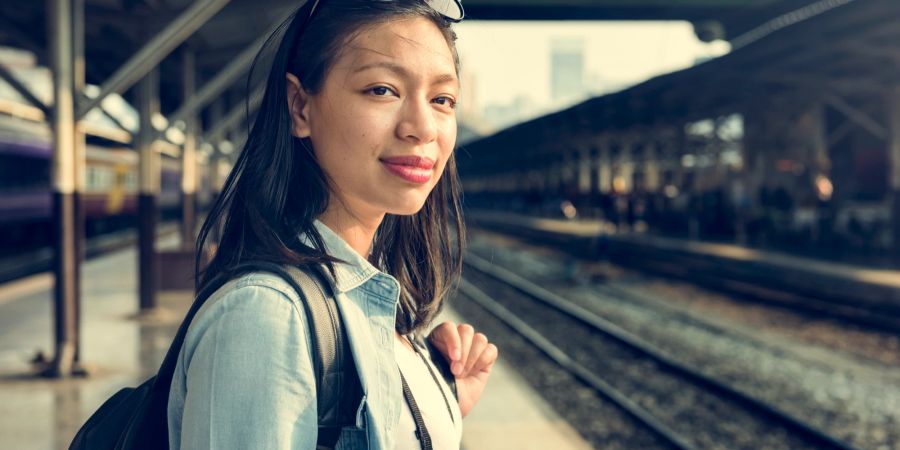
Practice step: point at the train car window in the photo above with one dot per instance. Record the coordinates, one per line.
(89, 178)
(100, 178)
(22, 173)
(131, 181)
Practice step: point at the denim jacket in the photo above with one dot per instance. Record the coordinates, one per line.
(244, 378)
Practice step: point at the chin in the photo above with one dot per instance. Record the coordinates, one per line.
(407, 211)
(407, 208)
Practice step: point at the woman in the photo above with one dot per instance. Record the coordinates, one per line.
(349, 165)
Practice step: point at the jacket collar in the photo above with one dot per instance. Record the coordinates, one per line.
(354, 270)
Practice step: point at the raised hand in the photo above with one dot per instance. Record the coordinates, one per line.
(471, 359)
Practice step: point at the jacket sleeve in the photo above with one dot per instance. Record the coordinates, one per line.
(249, 375)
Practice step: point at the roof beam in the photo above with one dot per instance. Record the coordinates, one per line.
(805, 56)
(235, 116)
(153, 52)
(23, 90)
(817, 82)
(225, 78)
(859, 117)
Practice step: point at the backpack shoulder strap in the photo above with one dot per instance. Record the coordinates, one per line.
(338, 389)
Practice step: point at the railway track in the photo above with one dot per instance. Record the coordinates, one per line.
(41, 260)
(750, 286)
(762, 285)
(684, 406)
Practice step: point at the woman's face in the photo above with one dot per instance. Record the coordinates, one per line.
(383, 125)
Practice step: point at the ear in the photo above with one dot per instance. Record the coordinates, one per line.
(298, 106)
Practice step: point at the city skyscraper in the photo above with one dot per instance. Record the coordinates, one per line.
(567, 69)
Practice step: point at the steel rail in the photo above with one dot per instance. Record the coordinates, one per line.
(752, 287)
(614, 331)
(583, 373)
(746, 284)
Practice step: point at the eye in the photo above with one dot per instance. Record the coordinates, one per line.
(445, 101)
(381, 91)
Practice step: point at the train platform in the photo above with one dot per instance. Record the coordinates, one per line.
(873, 293)
(121, 349)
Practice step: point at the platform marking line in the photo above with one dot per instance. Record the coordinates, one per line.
(19, 289)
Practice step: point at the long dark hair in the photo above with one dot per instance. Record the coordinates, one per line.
(277, 189)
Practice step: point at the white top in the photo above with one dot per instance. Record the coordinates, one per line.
(446, 433)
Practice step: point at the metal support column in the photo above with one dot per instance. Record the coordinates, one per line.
(652, 154)
(594, 167)
(894, 149)
(188, 155)
(80, 166)
(552, 177)
(562, 169)
(149, 180)
(605, 170)
(626, 164)
(216, 115)
(584, 171)
(821, 168)
(63, 176)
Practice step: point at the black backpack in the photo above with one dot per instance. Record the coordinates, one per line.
(136, 418)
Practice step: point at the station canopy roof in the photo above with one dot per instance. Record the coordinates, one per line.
(845, 55)
(117, 29)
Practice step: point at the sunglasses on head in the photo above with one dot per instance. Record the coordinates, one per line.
(452, 10)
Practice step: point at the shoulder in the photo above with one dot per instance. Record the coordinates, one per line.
(245, 376)
(259, 301)
(254, 290)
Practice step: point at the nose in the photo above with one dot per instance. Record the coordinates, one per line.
(417, 122)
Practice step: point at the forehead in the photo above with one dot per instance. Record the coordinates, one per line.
(416, 43)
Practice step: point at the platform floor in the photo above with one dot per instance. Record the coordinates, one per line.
(587, 228)
(122, 350)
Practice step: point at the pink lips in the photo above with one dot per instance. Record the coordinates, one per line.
(414, 169)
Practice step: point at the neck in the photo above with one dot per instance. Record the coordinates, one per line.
(358, 232)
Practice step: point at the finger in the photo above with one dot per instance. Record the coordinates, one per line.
(445, 338)
(466, 332)
(479, 343)
(486, 360)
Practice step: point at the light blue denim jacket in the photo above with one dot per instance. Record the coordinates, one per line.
(244, 378)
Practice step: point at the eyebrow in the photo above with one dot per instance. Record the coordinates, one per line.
(403, 72)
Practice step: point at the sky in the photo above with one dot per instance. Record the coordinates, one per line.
(512, 59)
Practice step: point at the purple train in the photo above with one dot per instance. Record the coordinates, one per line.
(111, 184)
